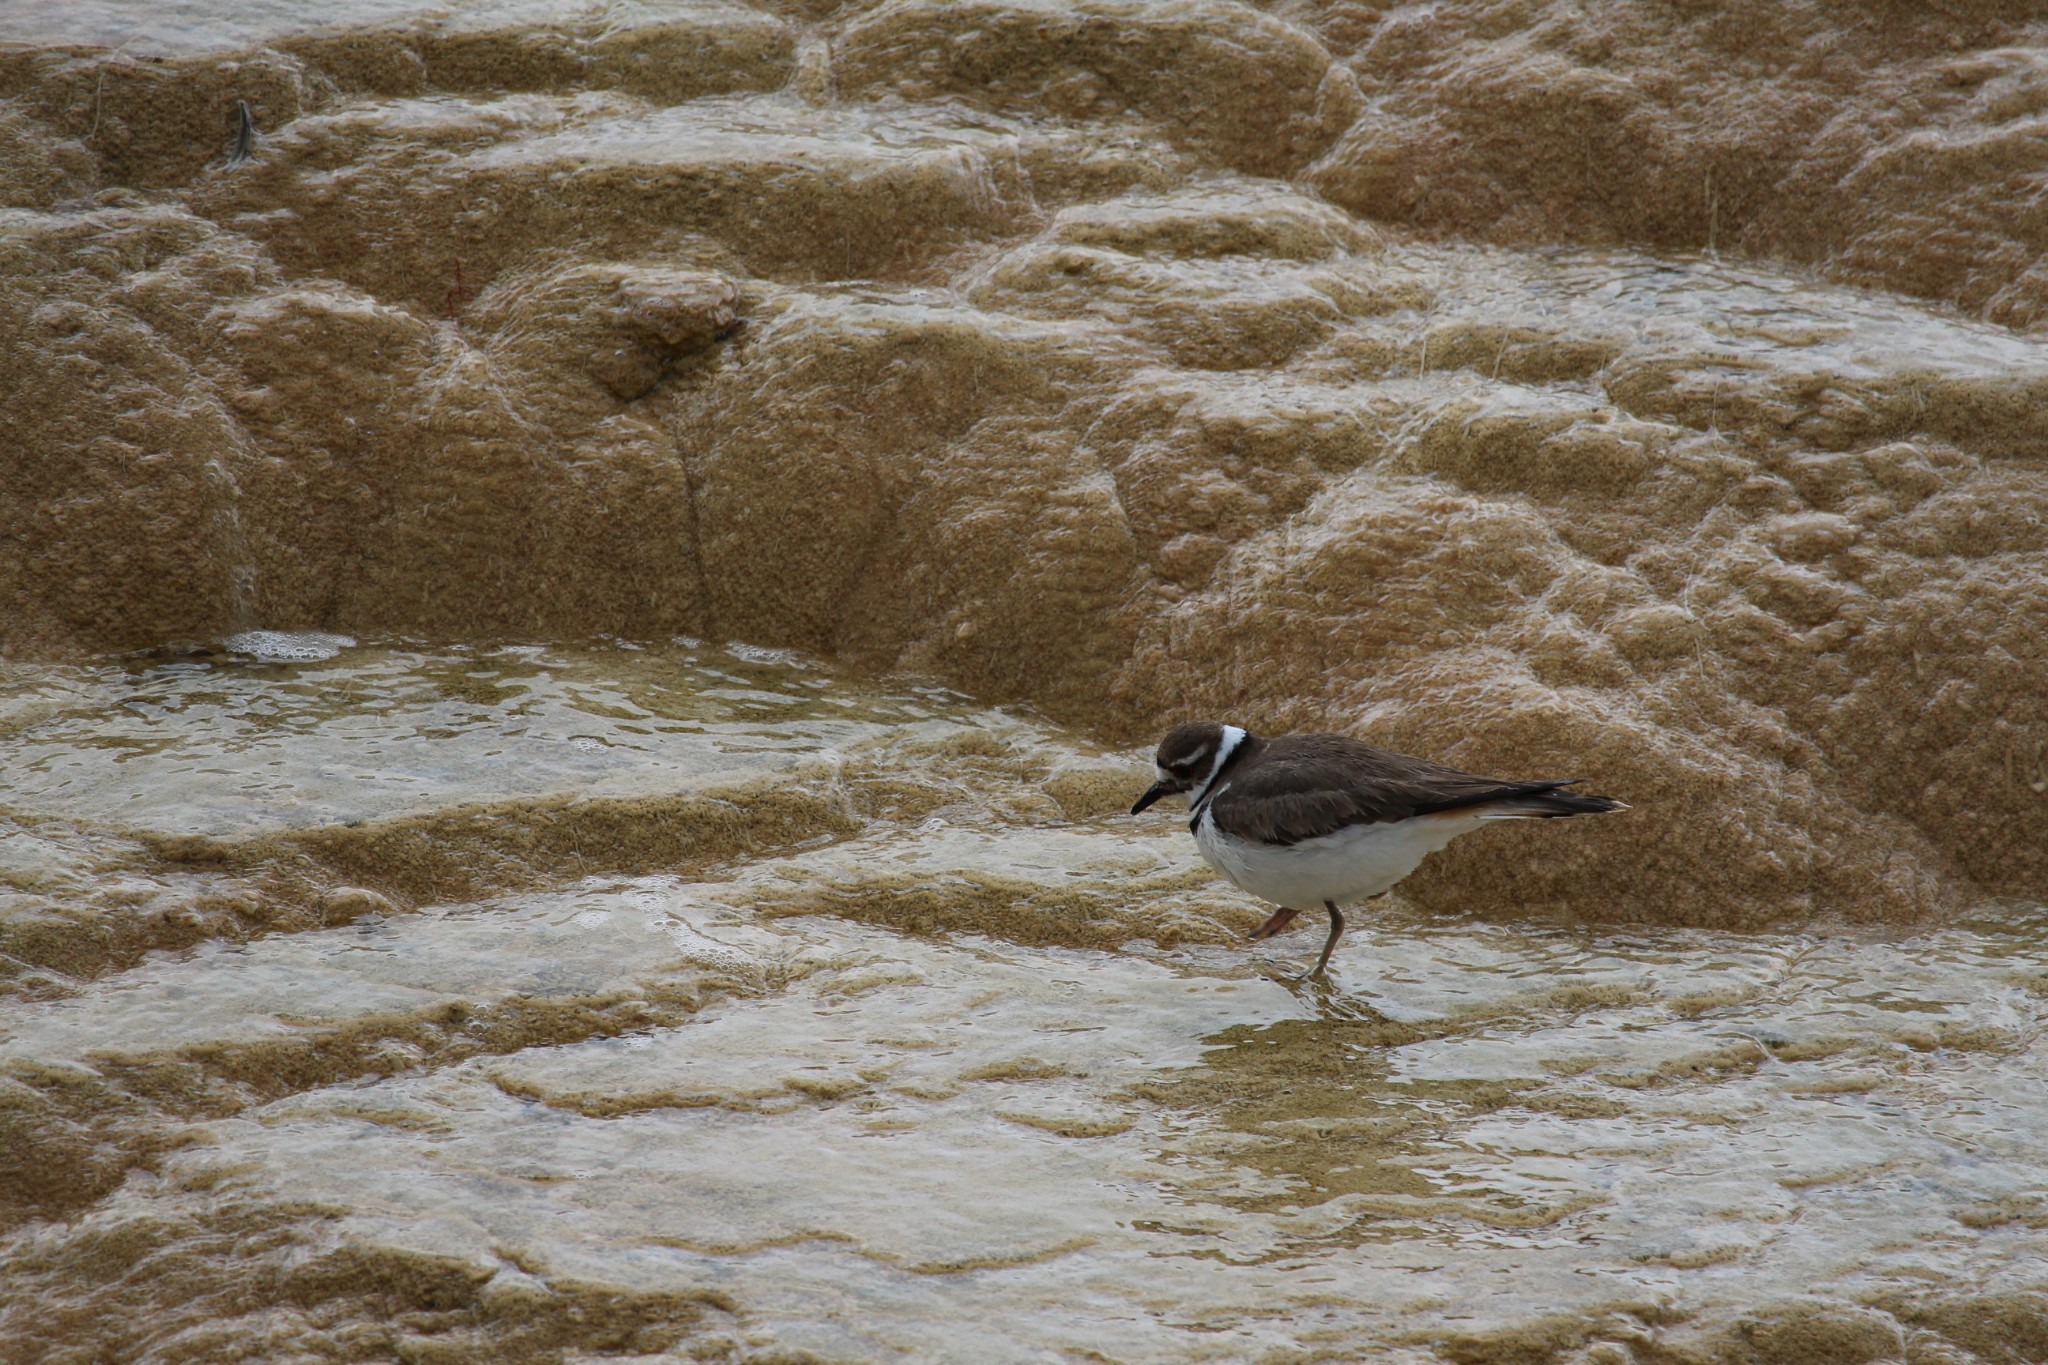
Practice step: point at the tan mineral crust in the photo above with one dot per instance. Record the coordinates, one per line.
(421, 939)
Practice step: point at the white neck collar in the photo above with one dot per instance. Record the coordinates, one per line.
(1232, 737)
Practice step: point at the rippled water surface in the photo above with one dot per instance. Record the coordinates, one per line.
(1507, 384)
(955, 1043)
(228, 744)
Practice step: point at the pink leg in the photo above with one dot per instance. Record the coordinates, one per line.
(1280, 920)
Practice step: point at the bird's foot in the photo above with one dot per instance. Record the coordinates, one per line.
(1279, 920)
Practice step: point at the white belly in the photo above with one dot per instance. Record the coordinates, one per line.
(1350, 865)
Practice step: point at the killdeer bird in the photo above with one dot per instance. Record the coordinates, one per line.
(1302, 819)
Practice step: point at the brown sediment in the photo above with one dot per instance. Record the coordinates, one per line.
(79, 1131)
(1323, 1136)
(464, 853)
(1497, 382)
(318, 1291)
(1885, 150)
(1006, 366)
(155, 891)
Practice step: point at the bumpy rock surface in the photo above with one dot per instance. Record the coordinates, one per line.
(1639, 393)
(994, 342)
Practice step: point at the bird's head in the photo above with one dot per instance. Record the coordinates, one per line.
(1189, 758)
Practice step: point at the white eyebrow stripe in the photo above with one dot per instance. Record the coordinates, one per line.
(1192, 759)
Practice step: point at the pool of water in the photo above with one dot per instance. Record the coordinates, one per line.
(964, 1045)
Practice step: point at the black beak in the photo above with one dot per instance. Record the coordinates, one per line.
(1152, 793)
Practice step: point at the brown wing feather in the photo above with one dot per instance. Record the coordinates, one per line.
(1306, 786)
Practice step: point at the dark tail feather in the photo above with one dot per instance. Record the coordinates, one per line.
(1536, 801)
(1552, 804)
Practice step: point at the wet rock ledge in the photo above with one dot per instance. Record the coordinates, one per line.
(647, 943)
(1499, 382)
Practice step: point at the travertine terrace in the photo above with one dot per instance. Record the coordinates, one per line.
(1640, 392)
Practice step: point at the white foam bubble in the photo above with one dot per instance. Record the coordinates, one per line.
(288, 646)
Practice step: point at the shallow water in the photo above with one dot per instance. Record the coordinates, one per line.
(1504, 384)
(228, 744)
(974, 1046)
